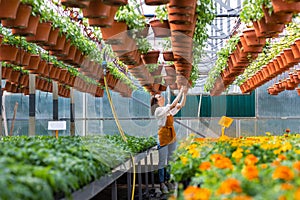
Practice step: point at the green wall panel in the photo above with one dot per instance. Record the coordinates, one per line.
(217, 106)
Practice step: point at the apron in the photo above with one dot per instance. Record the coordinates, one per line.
(166, 134)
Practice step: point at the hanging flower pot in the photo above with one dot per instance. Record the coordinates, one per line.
(143, 33)
(280, 18)
(53, 36)
(22, 18)
(247, 49)
(22, 58)
(8, 53)
(96, 9)
(75, 3)
(267, 30)
(156, 2)
(60, 44)
(14, 76)
(160, 29)
(104, 22)
(188, 4)
(42, 33)
(168, 56)
(251, 38)
(33, 63)
(281, 6)
(115, 2)
(295, 50)
(169, 80)
(8, 9)
(31, 28)
(116, 34)
(151, 57)
(41, 67)
(290, 57)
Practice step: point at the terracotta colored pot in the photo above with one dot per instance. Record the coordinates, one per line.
(8, 9)
(75, 3)
(8, 53)
(156, 2)
(281, 6)
(53, 36)
(96, 9)
(295, 50)
(168, 56)
(251, 38)
(160, 29)
(42, 33)
(22, 18)
(188, 4)
(280, 18)
(31, 28)
(151, 57)
(115, 2)
(116, 34)
(104, 22)
(33, 63)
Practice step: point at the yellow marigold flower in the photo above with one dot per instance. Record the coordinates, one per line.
(286, 186)
(282, 157)
(195, 153)
(237, 155)
(297, 151)
(283, 172)
(196, 193)
(286, 147)
(204, 166)
(223, 163)
(250, 172)
(277, 151)
(251, 159)
(297, 194)
(183, 159)
(296, 165)
(247, 151)
(229, 186)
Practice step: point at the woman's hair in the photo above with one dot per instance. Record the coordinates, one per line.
(154, 104)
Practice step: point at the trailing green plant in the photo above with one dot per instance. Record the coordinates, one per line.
(221, 62)
(161, 12)
(270, 51)
(143, 45)
(128, 14)
(252, 10)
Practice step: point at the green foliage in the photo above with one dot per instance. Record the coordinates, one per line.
(143, 45)
(42, 167)
(161, 12)
(221, 62)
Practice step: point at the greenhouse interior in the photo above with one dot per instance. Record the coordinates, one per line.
(150, 99)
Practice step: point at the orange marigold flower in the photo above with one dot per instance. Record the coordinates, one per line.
(251, 159)
(264, 166)
(282, 157)
(215, 157)
(229, 186)
(276, 163)
(224, 163)
(281, 198)
(250, 172)
(283, 172)
(286, 186)
(204, 166)
(196, 193)
(296, 165)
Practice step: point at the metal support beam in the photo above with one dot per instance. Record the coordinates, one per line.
(146, 175)
(31, 127)
(140, 180)
(152, 171)
(114, 190)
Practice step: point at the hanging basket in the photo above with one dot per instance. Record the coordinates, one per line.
(8, 53)
(115, 2)
(104, 22)
(168, 56)
(42, 33)
(116, 34)
(282, 6)
(280, 18)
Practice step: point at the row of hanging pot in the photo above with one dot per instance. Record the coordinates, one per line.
(280, 64)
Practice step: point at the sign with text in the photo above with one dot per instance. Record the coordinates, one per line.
(57, 125)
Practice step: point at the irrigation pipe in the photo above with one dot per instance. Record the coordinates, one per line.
(121, 132)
